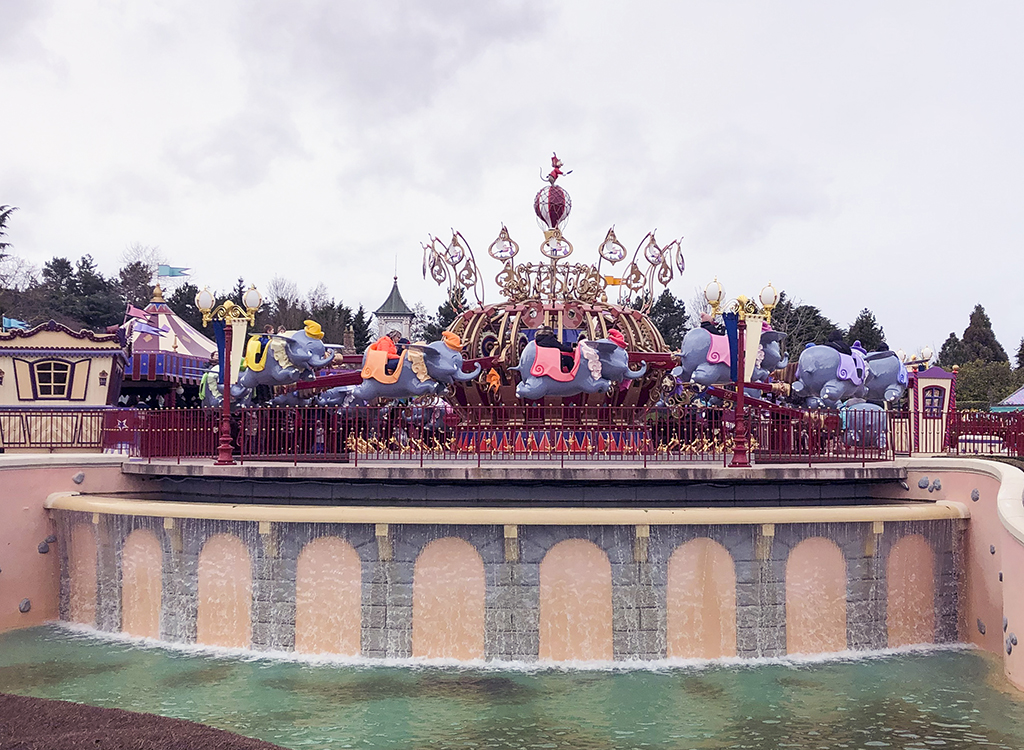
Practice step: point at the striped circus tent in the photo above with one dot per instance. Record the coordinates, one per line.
(166, 348)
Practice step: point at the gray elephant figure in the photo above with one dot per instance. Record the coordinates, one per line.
(865, 425)
(705, 359)
(426, 369)
(286, 358)
(335, 396)
(826, 376)
(599, 364)
(887, 378)
(210, 391)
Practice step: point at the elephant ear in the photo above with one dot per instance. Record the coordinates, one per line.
(604, 346)
(279, 348)
(769, 336)
(878, 355)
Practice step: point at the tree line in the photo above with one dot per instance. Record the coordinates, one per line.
(78, 295)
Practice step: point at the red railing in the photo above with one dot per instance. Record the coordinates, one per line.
(515, 433)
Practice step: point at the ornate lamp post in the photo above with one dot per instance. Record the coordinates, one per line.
(229, 313)
(769, 298)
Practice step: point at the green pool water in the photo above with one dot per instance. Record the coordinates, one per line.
(938, 699)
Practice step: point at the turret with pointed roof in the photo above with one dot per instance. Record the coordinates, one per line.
(394, 313)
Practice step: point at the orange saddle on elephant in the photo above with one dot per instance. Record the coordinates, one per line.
(548, 363)
(374, 365)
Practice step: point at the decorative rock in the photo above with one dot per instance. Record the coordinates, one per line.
(981, 626)
(975, 495)
(1009, 647)
(25, 606)
(923, 483)
(991, 549)
(1013, 639)
(1005, 623)
(52, 539)
(1000, 576)
(78, 478)
(936, 485)
(43, 548)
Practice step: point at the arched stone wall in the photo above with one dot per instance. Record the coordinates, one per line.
(701, 601)
(815, 598)
(575, 602)
(82, 564)
(328, 598)
(225, 593)
(141, 584)
(910, 605)
(448, 601)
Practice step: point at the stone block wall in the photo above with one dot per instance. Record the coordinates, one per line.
(512, 556)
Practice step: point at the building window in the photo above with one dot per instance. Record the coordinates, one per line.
(52, 379)
(933, 399)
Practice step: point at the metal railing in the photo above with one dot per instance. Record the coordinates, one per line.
(562, 433)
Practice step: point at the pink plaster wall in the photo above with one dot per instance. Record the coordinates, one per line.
(24, 573)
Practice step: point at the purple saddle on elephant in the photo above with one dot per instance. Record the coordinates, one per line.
(851, 367)
(718, 352)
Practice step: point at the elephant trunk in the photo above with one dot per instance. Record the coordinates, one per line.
(783, 364)
(465, 377)
(634, 374)
(322, 361)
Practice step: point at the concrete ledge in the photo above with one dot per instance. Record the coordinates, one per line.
(521, 471)
(501, 516)
(56, 460)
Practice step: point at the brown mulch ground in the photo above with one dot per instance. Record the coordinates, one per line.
(38, 724)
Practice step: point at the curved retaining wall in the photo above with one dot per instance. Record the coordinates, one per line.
(515, 583)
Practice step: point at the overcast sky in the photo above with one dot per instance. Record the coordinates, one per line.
(855, 154)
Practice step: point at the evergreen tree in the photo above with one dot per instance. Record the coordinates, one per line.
(183, 302)
(134, 284)
(866, 330)
(981, 384)
(96, 302)
(1020, 355)
(5, 214)
(446, 314)
(802, 324)
(669, 316)
(361, 329)
(979, 340)
(239, 291)
(951, 352)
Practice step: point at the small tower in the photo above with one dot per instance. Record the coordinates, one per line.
(394, 314)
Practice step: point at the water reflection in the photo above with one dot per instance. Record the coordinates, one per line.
(948, 699)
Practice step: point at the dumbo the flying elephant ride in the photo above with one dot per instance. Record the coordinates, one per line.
(597, 366)
(421, 370)
(273, 359)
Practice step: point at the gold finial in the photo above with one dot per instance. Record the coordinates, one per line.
(158, 295)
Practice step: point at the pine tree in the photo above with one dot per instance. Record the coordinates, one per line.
(979, 340)
(183, 302)
(669, 316)
(866, 330)
(445, 316)
(5, 214)
(134, 284)
(951, 353)
(361, 329)
(1020, 355)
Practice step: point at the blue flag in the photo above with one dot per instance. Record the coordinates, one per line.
(171, 271)
(218, 336)
(732, 330)
(14, 323)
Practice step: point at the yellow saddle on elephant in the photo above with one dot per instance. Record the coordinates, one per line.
(374, 367)
(256, 353)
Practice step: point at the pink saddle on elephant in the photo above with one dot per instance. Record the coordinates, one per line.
(548, 363)
(851, 367)
(718, 352)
